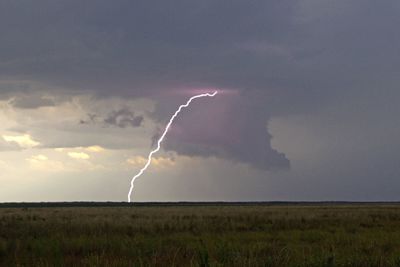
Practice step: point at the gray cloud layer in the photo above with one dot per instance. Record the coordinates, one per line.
(31, 102)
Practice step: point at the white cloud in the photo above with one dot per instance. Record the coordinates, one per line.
(42, 163)
(137, 161)
(95, 149)
(40, 157)
(24, 141)
(78, 155)
(158, 162)
(57, 163)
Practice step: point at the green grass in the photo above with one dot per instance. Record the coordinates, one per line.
(256, 235)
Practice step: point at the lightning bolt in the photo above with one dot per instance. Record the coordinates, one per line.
(149, 158)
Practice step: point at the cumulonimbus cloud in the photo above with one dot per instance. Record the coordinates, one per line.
(236, 131)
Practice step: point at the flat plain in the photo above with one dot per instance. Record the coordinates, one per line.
(201, 235)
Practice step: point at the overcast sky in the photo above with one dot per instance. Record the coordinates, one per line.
(308, 107)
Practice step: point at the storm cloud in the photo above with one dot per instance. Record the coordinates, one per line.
(235, 128)
(123, 118)
(331, 65)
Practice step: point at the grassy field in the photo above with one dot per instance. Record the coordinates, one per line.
(253, 235)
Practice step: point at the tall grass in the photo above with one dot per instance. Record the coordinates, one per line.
(201, 236)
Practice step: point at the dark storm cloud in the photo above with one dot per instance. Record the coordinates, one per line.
(123, 118)
(282, 57)
(91, 119)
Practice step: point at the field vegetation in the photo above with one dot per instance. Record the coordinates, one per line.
(213, 235)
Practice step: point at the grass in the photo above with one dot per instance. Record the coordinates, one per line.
(252, 235)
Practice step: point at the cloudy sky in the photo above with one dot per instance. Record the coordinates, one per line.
(308, 107)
